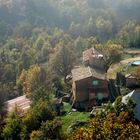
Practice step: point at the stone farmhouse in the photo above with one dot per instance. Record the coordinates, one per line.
(89, 88)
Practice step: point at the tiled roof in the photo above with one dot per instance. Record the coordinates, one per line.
(130, 76)
(85, 72)
(81, 73)
(99, 74)
(92, 52)
(21, 102)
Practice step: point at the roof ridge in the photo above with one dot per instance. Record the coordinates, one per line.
(90, 71)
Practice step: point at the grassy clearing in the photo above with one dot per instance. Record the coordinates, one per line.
(123, 66)
(129, 70)
(71, 117)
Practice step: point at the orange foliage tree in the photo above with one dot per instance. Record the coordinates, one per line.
(112, 127)
(138, 73)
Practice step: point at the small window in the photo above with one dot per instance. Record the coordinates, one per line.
(100, 96)
(95, 82)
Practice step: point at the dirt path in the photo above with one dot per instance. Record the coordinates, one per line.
(126, 61)
(113, 69)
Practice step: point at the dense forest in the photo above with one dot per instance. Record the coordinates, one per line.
(42, 40)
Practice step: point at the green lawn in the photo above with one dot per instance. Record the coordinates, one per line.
(126, 69)
(71, 117)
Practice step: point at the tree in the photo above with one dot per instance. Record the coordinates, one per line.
(104, 27)
(23, 30)
(112, 53)
(92, 41)
(115, 122)
(138, 73)
(62, 61)
(79, 45)
(41, 112)
(129, 35)
(39, 42)
(13, 127)
(31, 80)
(27, 58)
(57, 87)
(49, 130)
(2, 99)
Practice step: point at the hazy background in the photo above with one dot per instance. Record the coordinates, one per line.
(78, 17)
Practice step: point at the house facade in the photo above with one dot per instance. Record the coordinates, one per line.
(89, 88)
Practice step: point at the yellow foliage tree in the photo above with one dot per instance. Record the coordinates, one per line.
(31, 79)
(110, 128)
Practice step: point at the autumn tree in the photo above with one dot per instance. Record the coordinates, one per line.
(112, 53)
(62, 61)
(116, 123)
(31, 80)
(138, 73)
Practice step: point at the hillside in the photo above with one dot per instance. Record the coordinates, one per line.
(44, 45)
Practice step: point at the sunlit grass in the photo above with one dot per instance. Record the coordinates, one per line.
(71, 117)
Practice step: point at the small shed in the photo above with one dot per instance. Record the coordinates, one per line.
(131, 81)
(22, 102)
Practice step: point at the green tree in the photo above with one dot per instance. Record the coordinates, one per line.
(62, 61)
(112, 53)
(129, 35)
(49, 130)
(39, 42)
(104, 27)
(57, 87)
(2, 99)
(13, 127)
(27, 58)
(41, 112)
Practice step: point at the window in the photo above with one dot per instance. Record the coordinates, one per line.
(95, 82)
(100, 96)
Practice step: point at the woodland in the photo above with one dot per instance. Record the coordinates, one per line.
(41, 41)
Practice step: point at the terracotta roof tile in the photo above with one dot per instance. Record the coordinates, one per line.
(85, 72)
(89, 53)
